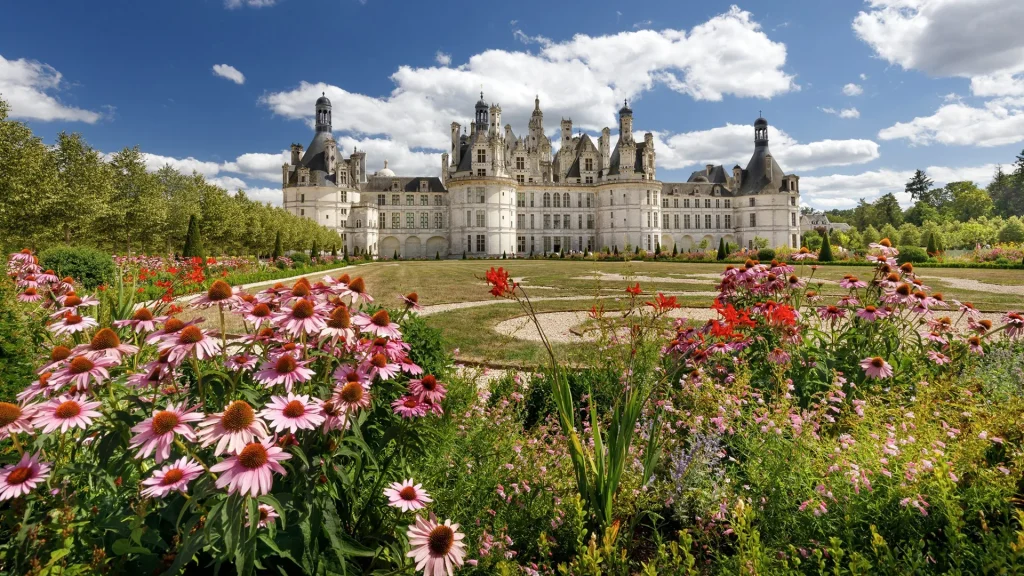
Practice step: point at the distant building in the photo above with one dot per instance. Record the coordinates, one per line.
(499, 193)
(818, 220)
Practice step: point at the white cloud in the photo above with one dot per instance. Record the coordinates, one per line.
(28, 85)
(265, 195)
(188, 165)
(232, 4)
(585, 78)
(442, 58)
(641, 24)
(863, 76)
(229, 72)
(844, 113)
(258, 165)
(844, 190)
(734, 143)
(852, 89)
(229, 183)
(999, 122)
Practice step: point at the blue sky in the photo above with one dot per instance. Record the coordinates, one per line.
(857, 94)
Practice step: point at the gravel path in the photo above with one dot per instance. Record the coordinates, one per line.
(976, 285)
(439, 308)
(597, 275)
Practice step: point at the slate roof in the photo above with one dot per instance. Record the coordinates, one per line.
(405, 184)
(718, 175)
(613, 164)
(314, 159)
(755, 178)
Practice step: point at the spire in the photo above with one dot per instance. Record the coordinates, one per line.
(385, 162)
(536, 103)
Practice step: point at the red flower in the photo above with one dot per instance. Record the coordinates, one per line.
(596, 312)
(499, 281)
(662, 304)
(633, 290)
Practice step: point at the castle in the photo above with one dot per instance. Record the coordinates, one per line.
(499, 193)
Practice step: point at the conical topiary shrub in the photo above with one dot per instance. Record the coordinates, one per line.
(722, 252)
(825, 255)
(193, 240)
(278, 252)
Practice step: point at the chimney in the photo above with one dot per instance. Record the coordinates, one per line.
(708, 168)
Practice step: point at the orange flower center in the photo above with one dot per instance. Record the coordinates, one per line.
(81, 365)
(219, 290)
(903, 290)
(30, 292)
(190, 335)
(331, 409)
(352, 392)
(302, 309)
(440, 540)
(238, 416)
(105, 339)
(9, 413)
(143, 315)
(344, 279)
(253, 456)
(266, 333)
(173, 325)
(172, 476)
(263, 514)
(877, 362)
(59, 353)
(300, 290)
(381, 318)
(285, 364)
(870, 308)
(164, 422)
(72, 301)
(974, 341)
(19, 475)
(72, 319)
(885, 242)
(294, 409)
(358, 285)
(429, 382)
(411, 403)
(907, 267)
(408, 493)
(379, 360)
(68, 409)
(261, 310)
(413, 297)
(340, 318)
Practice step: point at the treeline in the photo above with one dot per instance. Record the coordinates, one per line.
(964, 213)
(69, 194)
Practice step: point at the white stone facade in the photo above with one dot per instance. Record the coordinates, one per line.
(502, 194)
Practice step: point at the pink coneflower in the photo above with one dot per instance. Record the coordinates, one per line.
(410, 406)
(23, 256)
(22, 478)
(57, 357)
(870, 313)
(339, 324)
(65, 413)
(412, 301)
(428, 389)
(71, 323)
(83, 369)
(240, 362)
(302, 316)
(778, 356)
(233, 428)
(284, 370)
(192, 339)
(257, 314)
(831, 313)
(408, 366)
(1014, 324)
(172, 327)
(353, 395)
(15, 419)
(437, 548)
(379, 324)
(968, 309)
(406, 496)
(251, 470)
(974, 343)
(105, 342)
(293, 413)
(47, 277)
(356, 289)
(266, 515)
(804, 254)
(220, 294)
(30, 295)
(172, 478)
(934, 337)
(142, 320)
(39, 387)
(379, 365)
(334, 417)
(157, 432)
(71, 302)
(938, 357)
(876, 367)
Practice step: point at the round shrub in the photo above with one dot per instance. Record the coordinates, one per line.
(913, 254)
(766, 254)
(300, 259)
(89, 266)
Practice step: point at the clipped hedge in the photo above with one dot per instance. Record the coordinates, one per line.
(89, 266)
(912, 254)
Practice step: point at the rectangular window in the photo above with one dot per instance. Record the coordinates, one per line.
(520, 163)
(675, 221)
(396, 220)
(728, 203)
(437, 200)
(753, 219)
(302, 211)
(382, 220)
(547, 244)
(469, 218)
(481, 155)
(558, 244)
(579, 222)
(469, 196)
(469, 243)
(794, 245)
(533, 244)
(696, 221)
(664, 220)
(707, 202)
(480, 195)
(531, 199)
(410, 220)
(481, 243)
(648, 200)
(589, 180)
(480, 218)
(588, 164)
(648, 242)
(547, 221)
(728, 221)
(675, 202)
(718, 203)
(410, 200)
(686, 203)
(520, 220)
(520, 179)
(481, 172)
(718, 220)
(424, 200)
(424, 220)
(520, 243)
(558, 221)
(590, 221)
(531, 222)
(792, 200)
(686, 221)
(380, 199)
(751, 201)
(707, 221)
(793, 219)
(521, 199)
(648, 219)
(588, 200)
(302, 198)
(664, 202)
(438, 220)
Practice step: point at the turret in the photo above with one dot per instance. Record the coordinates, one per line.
(481, 114)
(760, 133)
(456, 145)
(323, 114)
(604, 144)
(296, 154)
(625, 123)
(566, 132)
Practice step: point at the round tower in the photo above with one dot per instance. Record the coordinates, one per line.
(760, 132)
(323, 113)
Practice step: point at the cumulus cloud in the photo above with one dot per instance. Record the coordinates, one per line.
(863, 76)
(734, 143)
(259, 165)
(852, 89)
(844, 113)
(230, 183)
(29, 87)
(442, 58)
(998, 122)
(188, 165)
(843, 190)
(229, 72)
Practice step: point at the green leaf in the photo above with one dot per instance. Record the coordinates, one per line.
(276, 505)
(124, 546)
(341, 545)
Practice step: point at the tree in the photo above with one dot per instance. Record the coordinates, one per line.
(722, 254)
(85, 184)
(395, 257)
(890, 232)
(968, 201)
(437, 255)
(922, 212)
(657, 249)
(278, 252)
(918, 186)
(334, 250)
(870, 235)
(314, 250)
(909, 235)
(1005, 192)
(193, 240)
(1012, 230)
(136, 205)
(27, 173)
(887, 211)
(825, 255)
(675, 250)
(344, 252)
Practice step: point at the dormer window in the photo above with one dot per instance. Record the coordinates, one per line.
(588, 164)
(424, 186)
(520, 163)
(481, 155)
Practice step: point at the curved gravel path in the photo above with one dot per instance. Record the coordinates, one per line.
(439, 308)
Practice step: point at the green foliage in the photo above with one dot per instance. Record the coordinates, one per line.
(1012, 230)
(20, 337)
(300, 259)
(437, 255)
(722, 253)
(314, 250)
(193, 240)
(825, 255)
(912, 254)
(428, 346)
(933, 244)
(89, 266)
(812, 240)
(918, 186)
(909, 235)
(765, 254)
(278, 252)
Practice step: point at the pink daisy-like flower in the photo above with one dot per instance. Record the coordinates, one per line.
(65, 413)
(174, 477)
(410, 407)
(378, 365)
(24, 256)
(292, 412)
(412, 301)
(15, 419)
(258, 313)
(169, 333)
(831, 313)
(192, 339)
(250, 471)
(1014, 324)
(938, 358)
(156, 433)
(302, 316)
(339, 324)
(233, 428)
(974, 344)
(850, 282)
(428, 389)
(241, 362)
(105, 342)
(356, 289)
(870, 313)
(71, 302)
(142, 321)
(437, 548)
(284, 370)
(876, 367)
(352, 396)
(30, 295)
(83, 369)
(778, 356)
(22, 478)
(220, 293)
(267, 514)
(379, 324)
(71, 323)
(334, 417)
(934, 337)
(406, 496)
